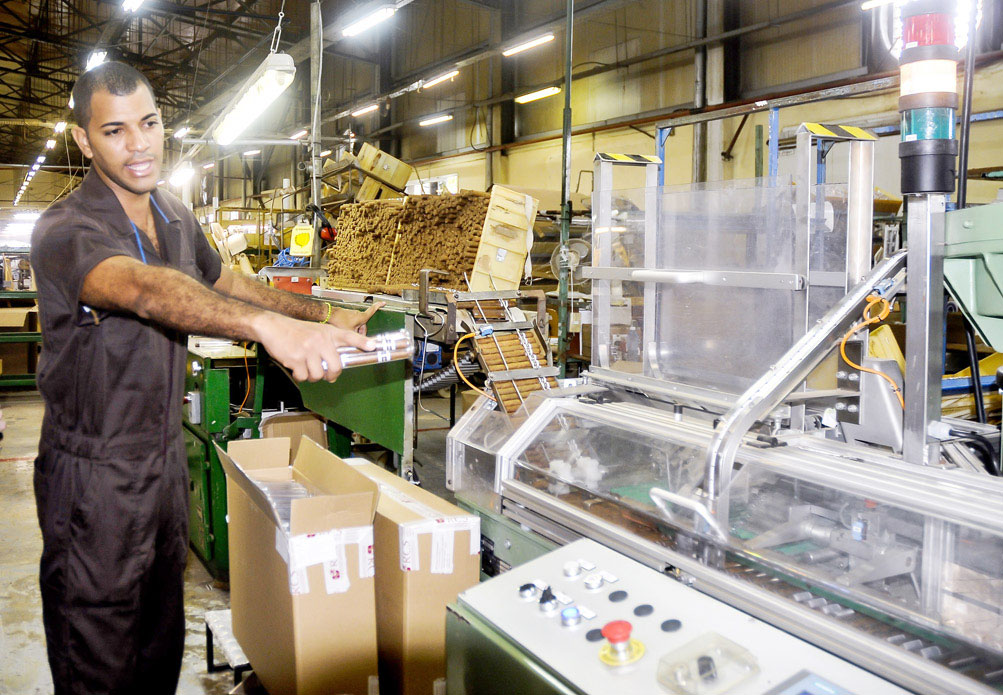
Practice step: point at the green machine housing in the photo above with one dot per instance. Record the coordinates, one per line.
(207, 419)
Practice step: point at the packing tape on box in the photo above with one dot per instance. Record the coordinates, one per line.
(327, 549)
(442, 529)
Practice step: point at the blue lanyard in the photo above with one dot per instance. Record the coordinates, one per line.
(139, 242)
(135, 229)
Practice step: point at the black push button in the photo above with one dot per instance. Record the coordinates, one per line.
(594, 635)
(671, 625)
(644, 610)
(618, 596)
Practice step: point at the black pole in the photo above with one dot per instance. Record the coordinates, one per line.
(966, 110)
(973, 361)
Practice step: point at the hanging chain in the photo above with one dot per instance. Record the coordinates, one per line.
(277, 34)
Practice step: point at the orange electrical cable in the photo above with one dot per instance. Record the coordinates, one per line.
(869, 320)
(247, 372)
(459, 371)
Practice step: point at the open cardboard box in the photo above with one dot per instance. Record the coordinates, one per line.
(303, 597)
(427, 552)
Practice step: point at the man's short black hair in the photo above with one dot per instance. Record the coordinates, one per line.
(114, 77)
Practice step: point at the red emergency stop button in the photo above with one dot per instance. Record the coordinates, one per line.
(617, 631)
(619, 649)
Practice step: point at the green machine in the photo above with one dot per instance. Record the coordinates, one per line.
(973, 267)
(214, 366)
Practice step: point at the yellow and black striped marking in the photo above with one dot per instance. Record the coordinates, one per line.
(627, 158)
(838, 132)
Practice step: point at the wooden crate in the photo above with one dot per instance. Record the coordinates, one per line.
(389, 169)
(505, 241)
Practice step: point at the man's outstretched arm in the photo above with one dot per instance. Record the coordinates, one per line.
(175, 300)
(288, 303)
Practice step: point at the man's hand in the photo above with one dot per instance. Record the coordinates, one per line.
(305, 348)
(356, 320)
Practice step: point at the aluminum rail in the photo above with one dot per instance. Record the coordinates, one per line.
(784, 376)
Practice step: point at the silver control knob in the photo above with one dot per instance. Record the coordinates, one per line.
(572, 569)
(528, 591)
(593, 581)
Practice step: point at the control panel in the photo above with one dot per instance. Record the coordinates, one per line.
(609, 624)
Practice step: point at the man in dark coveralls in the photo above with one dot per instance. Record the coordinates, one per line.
(124, 273)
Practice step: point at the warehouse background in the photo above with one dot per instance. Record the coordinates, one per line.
(634, 64)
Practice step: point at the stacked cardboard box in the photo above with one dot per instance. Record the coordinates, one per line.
(302, 589)
(427, 552)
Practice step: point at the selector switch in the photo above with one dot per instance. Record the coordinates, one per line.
(528, 590)
(548, 602)
(593, 582)
(572, 569)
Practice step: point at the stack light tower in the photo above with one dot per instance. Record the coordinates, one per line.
(928, 97)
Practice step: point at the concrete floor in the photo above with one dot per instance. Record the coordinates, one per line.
(23, 666)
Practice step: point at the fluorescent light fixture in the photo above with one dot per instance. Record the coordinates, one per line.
(270, 79)
(182, 174)
(436, 119)
(325, 153)
(161, 182)
(871, 4)
(369, 21)
(69, 104)
(364, 110)
(36, 166)
(440, 79)
(41, 159)
(95, 59)
(50, 144)
(29, 216)
(131, 5)
(209, 165)
(251, 153)
(60, 127)
(181, 132)
(538, 94)
(298, 134)
(538, 41)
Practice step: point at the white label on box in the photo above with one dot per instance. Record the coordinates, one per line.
(500, 256)
(439, 686)
(409, 549)
(374, 685)
(442, 551)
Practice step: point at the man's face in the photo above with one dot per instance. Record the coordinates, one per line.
(124, 140)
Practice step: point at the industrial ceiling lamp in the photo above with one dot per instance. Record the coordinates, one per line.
(435, 120)
(538, 94)
(928, 97)
(364, 110)
(532, 43)
(182, 174)
(370, 20)
(264, 86)
(440, 79)
(131, 5)
(95, 59)
(268, 82)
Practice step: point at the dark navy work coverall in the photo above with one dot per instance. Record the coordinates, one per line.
(111, 476)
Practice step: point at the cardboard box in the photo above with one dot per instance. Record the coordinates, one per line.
(295, 426)
(427, 552)
(302, 589)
